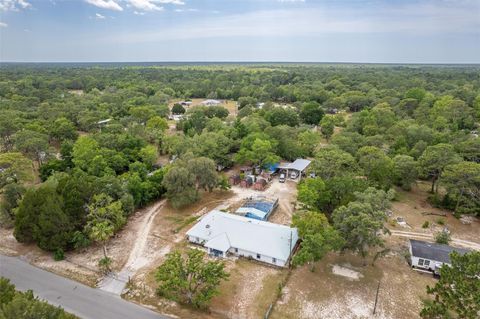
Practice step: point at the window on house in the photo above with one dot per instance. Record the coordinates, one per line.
(420, 262)
(274, 260)
(426, 262)
(258, 256)
(236, 250)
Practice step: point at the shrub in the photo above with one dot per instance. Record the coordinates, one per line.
(426, 224)
(58, 255)
(440, 221)
(442, 238)
(104, 264)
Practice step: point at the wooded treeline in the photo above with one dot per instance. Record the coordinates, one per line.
(364, 126)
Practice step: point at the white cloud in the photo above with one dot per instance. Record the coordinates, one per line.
(139, 13)
(99, 16)
(3, 25)
(13, 5)
(409, 19)
(177, 2)
(146, 5)
(291, 0)
(106, 4)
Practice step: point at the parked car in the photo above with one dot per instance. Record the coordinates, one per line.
(282, 178)
(293, 175)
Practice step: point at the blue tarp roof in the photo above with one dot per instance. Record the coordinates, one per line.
(260, 209)
(273, 167)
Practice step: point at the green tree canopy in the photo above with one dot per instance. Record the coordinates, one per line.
(434, 160)
(457, 292)
(318, 237)
(190, 279)
(462, 182)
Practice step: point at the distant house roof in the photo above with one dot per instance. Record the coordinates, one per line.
(211, 102)
(432, 251)
(220, 229)
(104, 121)
(300, 164)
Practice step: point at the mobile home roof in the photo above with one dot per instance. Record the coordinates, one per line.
(436, 252)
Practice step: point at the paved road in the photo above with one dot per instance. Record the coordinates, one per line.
(81, 300)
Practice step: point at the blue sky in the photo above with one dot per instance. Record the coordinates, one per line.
(409, 31)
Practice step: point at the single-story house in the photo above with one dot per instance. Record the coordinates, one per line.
(211, 102)
(431, 256)
(223, 234)
(185, 103)
(259, 207)
(295, 170)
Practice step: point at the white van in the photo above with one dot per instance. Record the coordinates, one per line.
(281, 179)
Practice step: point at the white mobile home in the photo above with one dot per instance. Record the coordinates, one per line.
(224, 234)
(430, 256)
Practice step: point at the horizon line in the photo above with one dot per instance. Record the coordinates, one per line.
(243, 62)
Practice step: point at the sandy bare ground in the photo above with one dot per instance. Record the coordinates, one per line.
(285, 192)
(341, 287)
(415, 209)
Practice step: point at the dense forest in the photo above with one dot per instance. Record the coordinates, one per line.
(66, 179)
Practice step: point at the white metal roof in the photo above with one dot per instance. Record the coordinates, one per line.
(219, 242)
(268, 239)
(251, 210)
(104, 121)
(300, 164)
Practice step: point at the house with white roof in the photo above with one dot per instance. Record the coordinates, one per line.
(211, 102)
(223, 234)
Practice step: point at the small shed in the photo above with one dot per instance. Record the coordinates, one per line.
(247, 181)
(247, 170)
(260, 184)
(234, 179)
(431, 256)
